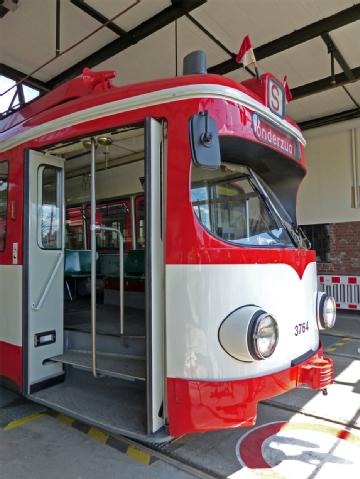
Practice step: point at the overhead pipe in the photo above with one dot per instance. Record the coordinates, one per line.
(57, 29)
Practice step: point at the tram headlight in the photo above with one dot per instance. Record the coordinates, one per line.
(263, 336)
(249, 333)
(326, 311)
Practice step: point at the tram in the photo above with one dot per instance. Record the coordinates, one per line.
(153, 279)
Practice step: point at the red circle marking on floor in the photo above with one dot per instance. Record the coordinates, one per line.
(249, 449)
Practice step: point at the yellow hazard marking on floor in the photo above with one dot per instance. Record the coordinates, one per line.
(97, 434)
(101, 436)
(330, 350)
(139, 455)
(65, 419)
(267, 474)
(339, 344)
(21, 422)
(347, 339)
(341, 433)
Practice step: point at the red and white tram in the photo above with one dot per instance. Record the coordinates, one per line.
(185, 293)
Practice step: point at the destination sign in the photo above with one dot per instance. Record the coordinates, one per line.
(270, 134)
(276, 97)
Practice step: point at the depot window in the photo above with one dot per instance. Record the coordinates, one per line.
(318, 236)
(49, 207)
(230, 206)
(4, 187)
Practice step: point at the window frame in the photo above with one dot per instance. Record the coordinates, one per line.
(138, 198)
(59, 199)
(6, 221)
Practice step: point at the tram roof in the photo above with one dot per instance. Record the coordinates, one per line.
(95, 88)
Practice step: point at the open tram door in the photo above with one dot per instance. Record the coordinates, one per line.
(60, 370)
(154, 274)
(44, 255)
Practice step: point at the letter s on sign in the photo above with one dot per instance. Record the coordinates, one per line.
(276, 97)
(275, 102)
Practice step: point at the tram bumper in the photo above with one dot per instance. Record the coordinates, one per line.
(199, 406)
(318, 373)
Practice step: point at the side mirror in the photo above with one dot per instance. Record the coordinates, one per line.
(204, 141)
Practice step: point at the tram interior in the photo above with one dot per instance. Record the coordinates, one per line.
(116, 398)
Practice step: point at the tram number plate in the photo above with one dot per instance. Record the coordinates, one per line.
(301, 328)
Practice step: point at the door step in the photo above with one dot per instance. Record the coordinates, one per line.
(118, 366)
(116, 345)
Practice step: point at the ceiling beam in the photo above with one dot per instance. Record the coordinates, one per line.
(17, 76)
(292, 39)
(98, 16)
(340, 79)
(214, 39)
(177, 9)
(330, 119)
(333, 49)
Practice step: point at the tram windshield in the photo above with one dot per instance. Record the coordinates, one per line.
(233, 204)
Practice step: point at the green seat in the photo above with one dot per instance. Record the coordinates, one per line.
(77, 265)
(78, 262)
(85, 262)
(135, 264)
(72, 262)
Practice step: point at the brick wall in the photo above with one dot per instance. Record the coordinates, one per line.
(344, 249)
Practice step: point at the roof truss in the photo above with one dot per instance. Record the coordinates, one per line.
(177, 9)
(297, 37)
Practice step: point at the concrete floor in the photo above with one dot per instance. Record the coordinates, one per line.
(48, 447)
(301, 434)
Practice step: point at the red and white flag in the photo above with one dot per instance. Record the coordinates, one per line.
(287, 90)
(246, 53)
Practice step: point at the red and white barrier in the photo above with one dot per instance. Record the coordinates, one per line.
(345, 290)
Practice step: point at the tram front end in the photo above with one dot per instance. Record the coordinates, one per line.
(242, 304)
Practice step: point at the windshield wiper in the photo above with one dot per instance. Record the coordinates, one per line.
(302, 240)
(289, 227)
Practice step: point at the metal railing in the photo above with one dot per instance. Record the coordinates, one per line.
(345, 289)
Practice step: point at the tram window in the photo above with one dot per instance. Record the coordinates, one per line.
(140, 221)
(228, 204)
(4, 185)
(49, 207)
(200, 201)
(114, 215)
(75, 228)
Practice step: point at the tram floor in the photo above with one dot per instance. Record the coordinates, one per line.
(77, 316)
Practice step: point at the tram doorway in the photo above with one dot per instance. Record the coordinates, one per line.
(94, 314)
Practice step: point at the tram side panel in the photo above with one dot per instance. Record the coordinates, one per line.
(11, 268)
